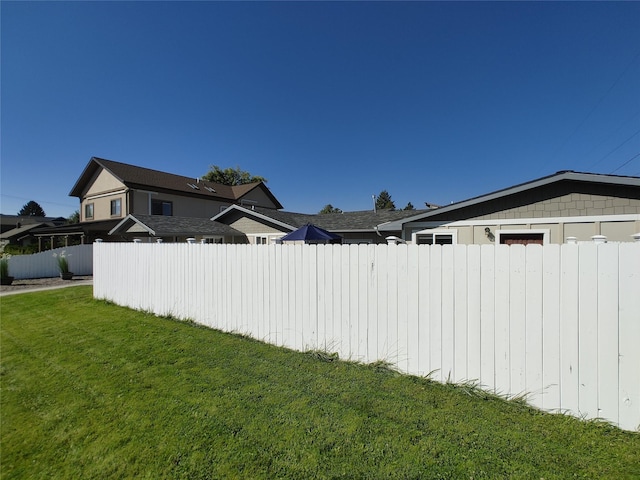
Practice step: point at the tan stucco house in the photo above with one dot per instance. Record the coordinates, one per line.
(566, 206)
(112, 193)
(112, 190)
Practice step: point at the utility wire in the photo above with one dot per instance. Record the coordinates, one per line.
(39, 201)
(617, 147)
(597, 104)
(600, 100)
(625, 163)
(604, 139)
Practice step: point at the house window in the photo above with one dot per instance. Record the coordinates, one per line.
(522, 237)
(212, 240)
(88, 210)
(116, 207)
(161, 207)
(442, 237)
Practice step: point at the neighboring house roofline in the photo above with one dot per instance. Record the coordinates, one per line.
(563, 175)
(252, 213)
(131, 219)
(135, 177)
(75, 228)
(16, 232)
(161, 225)
(346, 222)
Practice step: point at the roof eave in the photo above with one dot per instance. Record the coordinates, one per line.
(557, 177)
(252, 213)
(133, 220)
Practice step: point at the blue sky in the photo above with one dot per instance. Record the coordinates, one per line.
(332, 102)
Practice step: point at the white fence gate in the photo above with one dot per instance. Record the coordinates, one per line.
(44, 264)
(560, 323)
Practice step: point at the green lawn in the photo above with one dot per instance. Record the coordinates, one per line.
(92, 390)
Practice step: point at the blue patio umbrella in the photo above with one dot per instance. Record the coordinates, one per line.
(311, 233)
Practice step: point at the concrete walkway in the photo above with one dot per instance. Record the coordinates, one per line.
(8, 290)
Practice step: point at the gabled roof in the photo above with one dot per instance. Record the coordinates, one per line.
(561, 176)
(86, 228)
(362, 221)
(19, 232)
(148, 179)
(13, 220)
(159, 225)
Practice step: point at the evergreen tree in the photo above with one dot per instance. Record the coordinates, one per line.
(384, 202)
(32, 209)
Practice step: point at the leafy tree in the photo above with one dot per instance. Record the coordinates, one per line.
(330, 209)
(32, 209)
(384, 202)
(409, 207)
(74, 217)
(231, 176)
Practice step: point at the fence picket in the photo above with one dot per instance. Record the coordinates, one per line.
(569, 328)
(551, 327)
(629, 336)
(502, 301)
(588, 330)
(534, 299)
(487, 316)
(435, 313)
(474, 325)
(460, 316)
(517, 319)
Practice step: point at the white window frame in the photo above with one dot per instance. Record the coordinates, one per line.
(450, 232)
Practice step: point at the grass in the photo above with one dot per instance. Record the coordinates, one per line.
(93, 390)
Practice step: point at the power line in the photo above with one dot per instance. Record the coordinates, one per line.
(40, 201)
(600, 100)
(625, 163)
(617, 147)
(605, 138)
(597, 104)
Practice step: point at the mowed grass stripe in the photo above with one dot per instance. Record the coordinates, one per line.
(93, 390)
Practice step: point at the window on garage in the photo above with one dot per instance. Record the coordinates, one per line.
(526, 238)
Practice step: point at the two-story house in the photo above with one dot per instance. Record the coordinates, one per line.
(110, 191)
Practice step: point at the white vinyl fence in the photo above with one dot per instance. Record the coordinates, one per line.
(560, 323)
(44, 264)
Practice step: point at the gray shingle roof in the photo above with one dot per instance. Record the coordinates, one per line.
(176, 226)
(366, 220)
